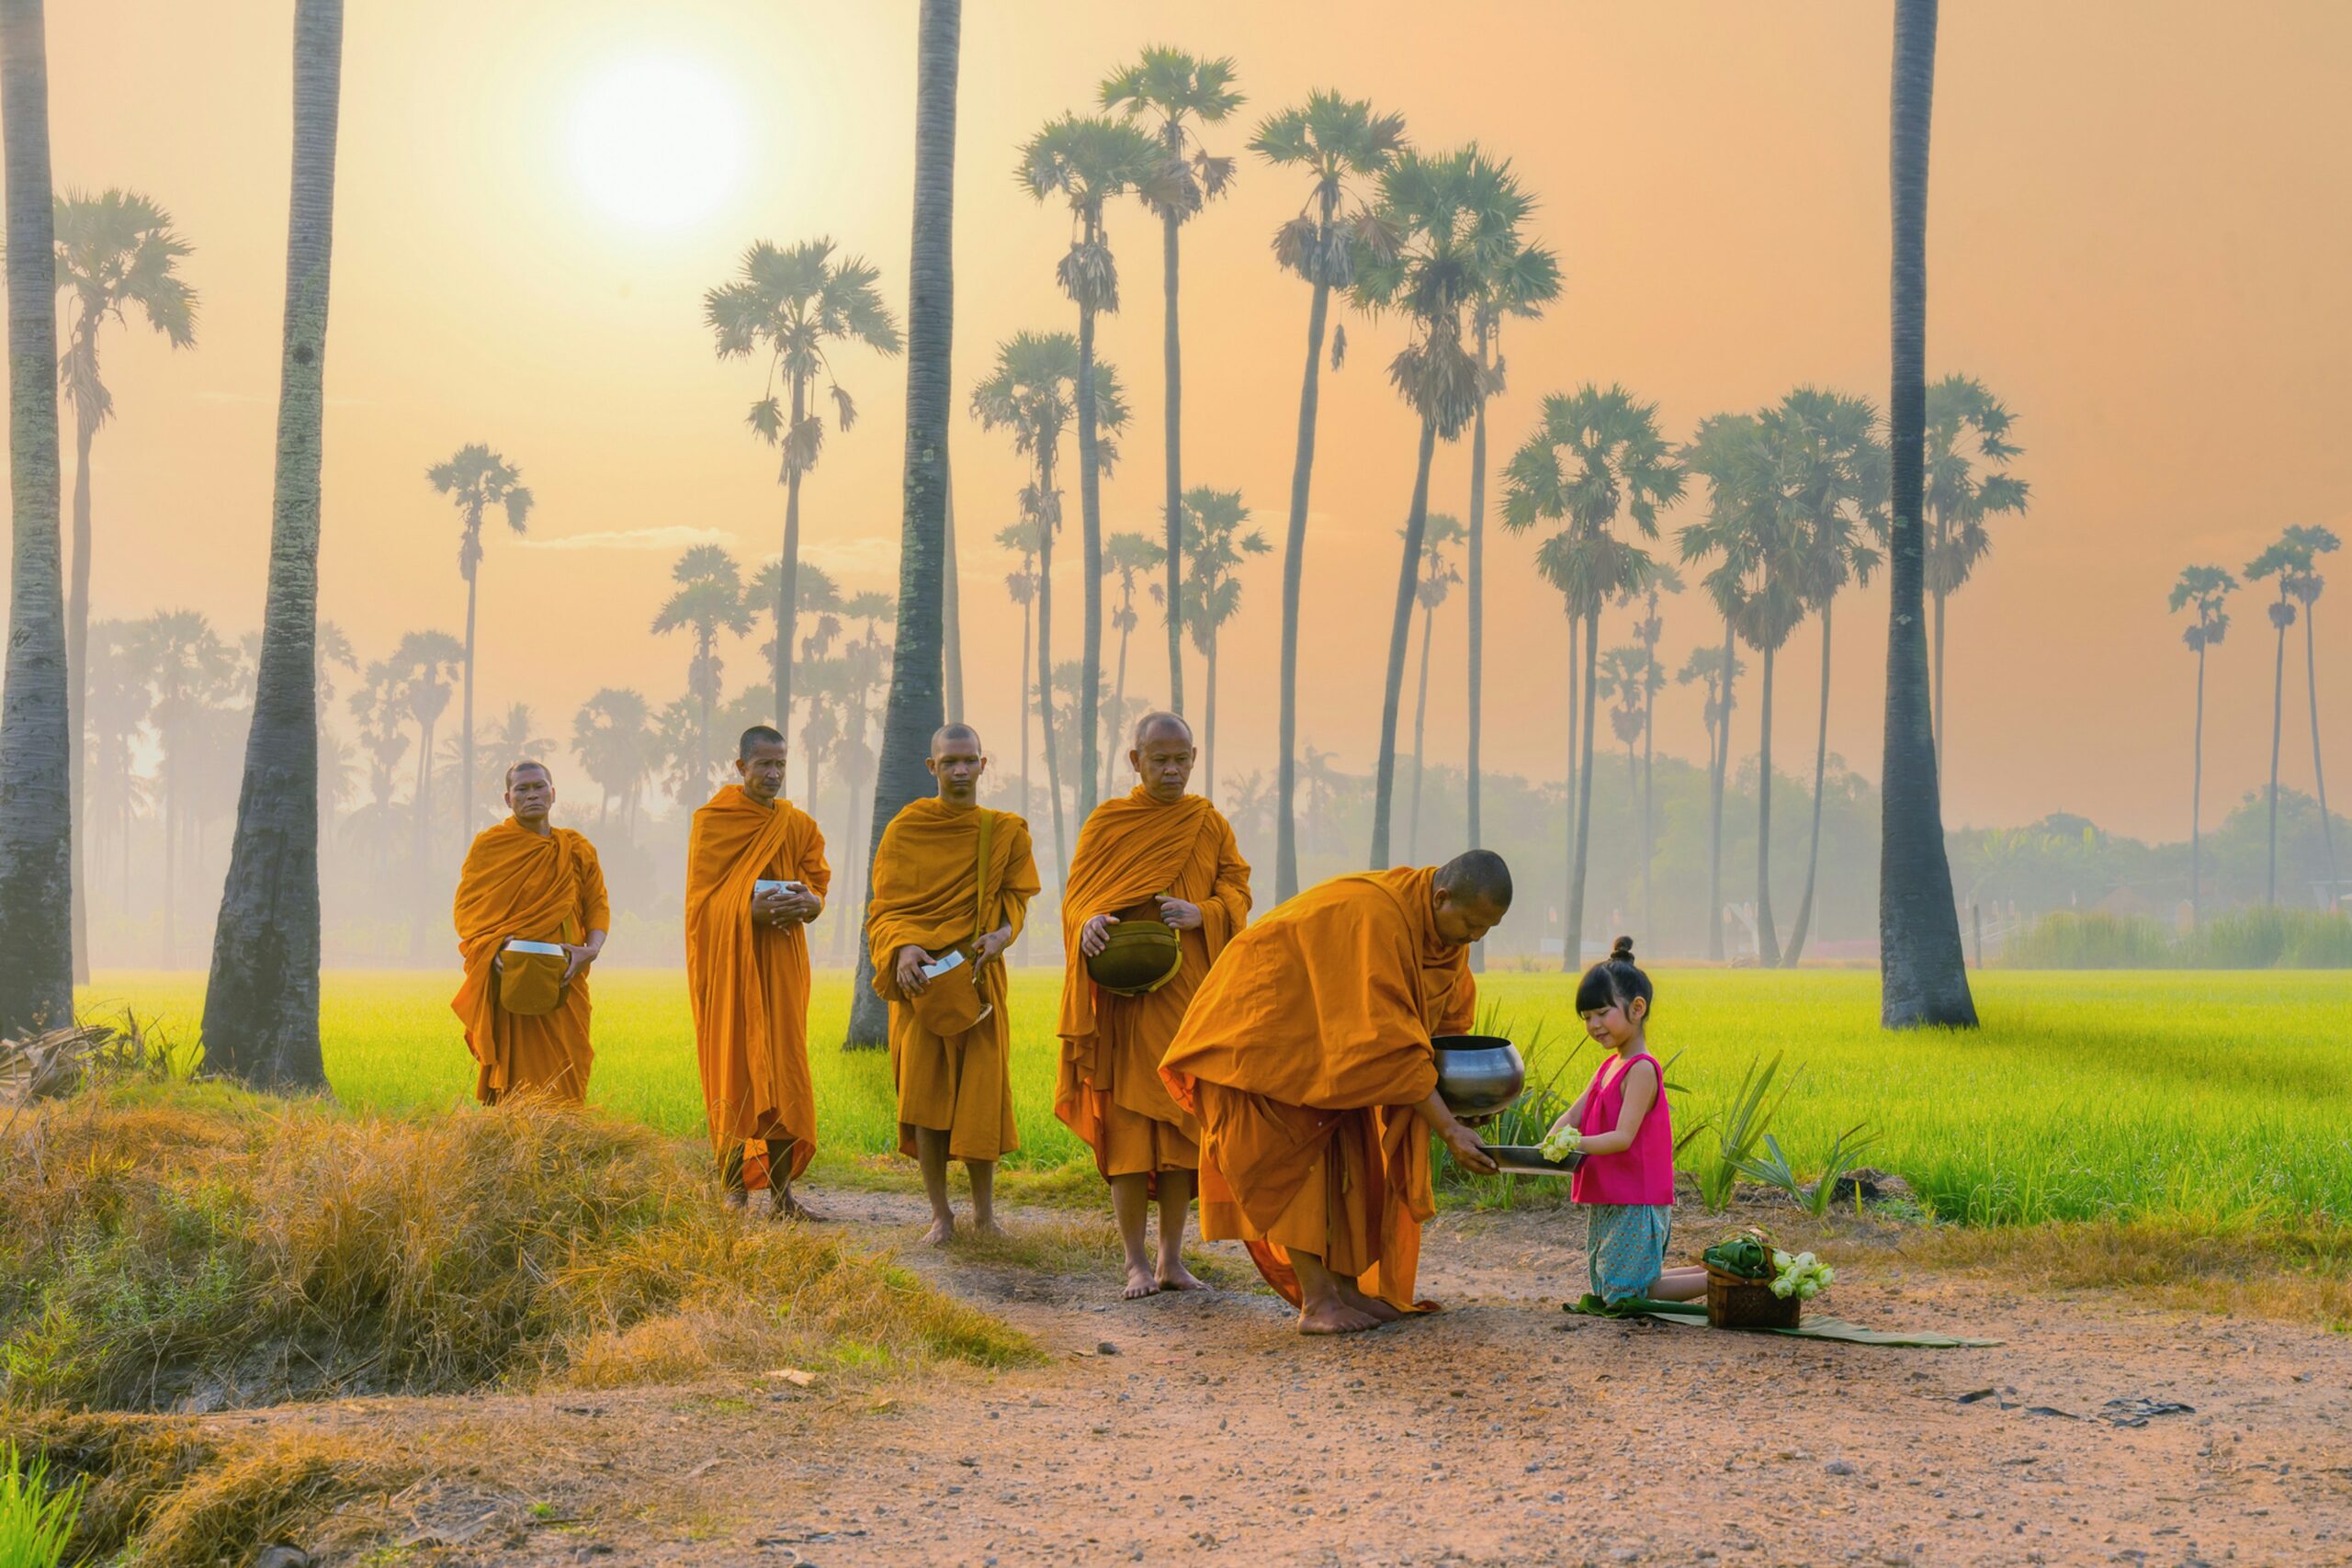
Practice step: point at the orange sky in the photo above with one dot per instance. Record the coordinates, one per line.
(2139, 239)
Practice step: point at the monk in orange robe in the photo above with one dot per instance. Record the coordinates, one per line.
(1168, 856)
(526, 878)
(929, 897)
(755, 878)
(1306, 1056)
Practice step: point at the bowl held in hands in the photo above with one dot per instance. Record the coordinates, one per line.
(1478, 1073)
(1140, 955)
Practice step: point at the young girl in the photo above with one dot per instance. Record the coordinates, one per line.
(1621, 1126)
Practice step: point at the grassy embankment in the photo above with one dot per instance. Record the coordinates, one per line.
(2216, 1099)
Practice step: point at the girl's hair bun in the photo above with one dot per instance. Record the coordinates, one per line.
(1624, 952)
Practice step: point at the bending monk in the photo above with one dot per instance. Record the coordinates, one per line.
(528, 879)
(1306, 1056)
(1164, 855)
(931, 898)
(755, 878)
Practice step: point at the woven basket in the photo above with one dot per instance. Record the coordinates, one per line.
(1736, 1301)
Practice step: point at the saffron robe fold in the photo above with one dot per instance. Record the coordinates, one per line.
(516, 883)
(1109, 1091)
(1303, 1056)
(925, 894)
(749, 982)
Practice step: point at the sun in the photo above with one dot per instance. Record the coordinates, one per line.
(658, 141)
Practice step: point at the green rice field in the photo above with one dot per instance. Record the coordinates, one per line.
(2222, 1098)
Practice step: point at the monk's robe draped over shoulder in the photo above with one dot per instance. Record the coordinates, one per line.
(926, 894)
(1303, 1056)
(518, 884)
(749, 982)
(1110, 1091)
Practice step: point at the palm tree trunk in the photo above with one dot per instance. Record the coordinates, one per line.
(1119, 692)
(1649, 782)
(1573, 942)
(37, 741)
(951, 614)
(2319, 770)
(78, 691)
(1090, 510)
(1400, 630)
(1302, 476)
(788, 578)
(1045, 668)
(1023, 709)
(466, 746)
(171, 867)
(1940, 697)
(915, 711)
(2197, 801)
(1420, 714)
(1171, 351)
(1923, 972)
(1475, 588)
(1820, 770)
(2278, 722)
(1719, 774)
(1208, 762)
(1568, 955)
(1767, 941)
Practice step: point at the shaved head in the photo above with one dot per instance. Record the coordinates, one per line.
(956, 735)
(758, 735)
(1160, 723)
(1479, 875)
(527, 766)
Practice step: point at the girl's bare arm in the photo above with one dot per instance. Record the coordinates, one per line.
(1641, 1093)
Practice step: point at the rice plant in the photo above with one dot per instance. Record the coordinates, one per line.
(35, 1520)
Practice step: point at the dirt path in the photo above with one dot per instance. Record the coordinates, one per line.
(1503, 1431)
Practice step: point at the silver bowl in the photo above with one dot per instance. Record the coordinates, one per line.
(1478, 1073)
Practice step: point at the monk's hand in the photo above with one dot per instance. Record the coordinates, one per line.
(801, 907)
(1467, 1151)
(986, 948)
(1178, 915)
(1095, 935)
(577, 958)
(912, 979)
(769, 908)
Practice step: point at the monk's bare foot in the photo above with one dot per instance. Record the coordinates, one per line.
(941, 1233)
(989, 1228)
(1334, 1316)
(790, 1208)
(1371, 1306)
(1174, 1276)
(1140, 1283)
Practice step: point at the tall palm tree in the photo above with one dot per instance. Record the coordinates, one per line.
(1455, 217)
(1128, 555)
(1726, 452)
(427, 662)
(867, 674)
(915, 709)
(951, 609)
(1623, 681)
(1343, 142)
(1961, 497)
(611, 734)
(1173, 89)
(1717, 670)
(795, 305)
(1663, 580)
(1214, 545)
(2282, 561)
(260, 1007)
(380, 710)
(115, 250)
(2205, 589)
(1923, 973)
(1033, 392)
(2306, 584)
(1833, 482)
(513, 737)
(36, 729)
(476, 479)
(1594, 457)
(1520, 285)
(1438, 577)
(1022, 586)
(1087, 163)
(817, 597)
(708, 599)
(188, 669)
(119, 706)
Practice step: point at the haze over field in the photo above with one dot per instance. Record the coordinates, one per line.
(533, 200)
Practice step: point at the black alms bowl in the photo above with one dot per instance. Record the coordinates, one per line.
(1478, 1073)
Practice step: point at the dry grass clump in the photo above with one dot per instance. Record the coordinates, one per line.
(190, 1246)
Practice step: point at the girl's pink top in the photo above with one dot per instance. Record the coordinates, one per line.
(1642, 1173)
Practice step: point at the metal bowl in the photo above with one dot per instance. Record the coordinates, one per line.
(1478, 1073)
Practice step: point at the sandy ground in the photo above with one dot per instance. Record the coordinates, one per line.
(1499, 1431)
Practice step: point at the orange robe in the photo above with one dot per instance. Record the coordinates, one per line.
(750, 983)
(925, 894)
(1302, 1057)
(516, 883)
(1110, 1091)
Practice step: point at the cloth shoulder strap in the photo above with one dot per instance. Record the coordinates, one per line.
(981, 881)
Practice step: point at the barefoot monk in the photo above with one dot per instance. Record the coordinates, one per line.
(1160, 861)
(755, 878)
(1306, 1057)
(525, 1010)
(952, 885)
